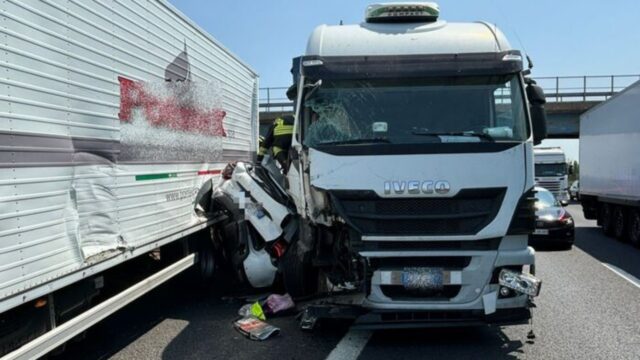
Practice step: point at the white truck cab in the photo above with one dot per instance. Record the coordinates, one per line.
(552, 171)
(412, 168)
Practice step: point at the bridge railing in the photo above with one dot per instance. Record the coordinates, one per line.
(557, 89)
(584, 88)
(274, 99)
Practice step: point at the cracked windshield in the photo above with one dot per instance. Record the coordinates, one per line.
(478, 109)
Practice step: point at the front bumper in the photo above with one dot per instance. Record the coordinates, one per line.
(439, 319)
(558, 234)
(478, 285)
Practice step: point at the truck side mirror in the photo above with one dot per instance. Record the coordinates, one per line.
(571, 170)
(292, 92)
(536, 98)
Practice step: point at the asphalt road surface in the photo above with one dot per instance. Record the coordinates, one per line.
(589, 308)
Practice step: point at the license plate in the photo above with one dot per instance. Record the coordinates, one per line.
(541, 232)
(423, 279)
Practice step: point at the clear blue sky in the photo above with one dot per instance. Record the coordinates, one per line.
(563, 37)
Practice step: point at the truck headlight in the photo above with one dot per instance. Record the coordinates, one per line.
(523, 283)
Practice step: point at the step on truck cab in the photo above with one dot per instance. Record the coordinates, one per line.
(412, 169)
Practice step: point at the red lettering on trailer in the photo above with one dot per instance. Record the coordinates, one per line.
(168, 112)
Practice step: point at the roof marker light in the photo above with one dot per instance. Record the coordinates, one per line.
(512, 57)
(312, 63)
(418, 11)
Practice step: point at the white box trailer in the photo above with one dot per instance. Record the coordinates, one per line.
(113, 116)
(610, 164)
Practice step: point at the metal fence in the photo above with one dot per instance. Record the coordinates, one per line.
(557, 89)
(584, 88)
(275, 99)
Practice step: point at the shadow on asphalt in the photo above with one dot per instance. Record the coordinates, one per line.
(609, 250)
(126, 326)
(179, 321)
(450, 343)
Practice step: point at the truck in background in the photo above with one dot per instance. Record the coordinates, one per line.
(552, 171)
(610, 165)
(116, 120)
(411, 171)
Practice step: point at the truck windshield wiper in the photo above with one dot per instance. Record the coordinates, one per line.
(357, 141)
(460, 133)
(312, 89)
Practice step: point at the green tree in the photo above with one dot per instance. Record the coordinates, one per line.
(576, 172)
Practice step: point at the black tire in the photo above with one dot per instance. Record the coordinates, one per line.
(299, 277)
(206, 266)
(619, 223)
(606, 219)
(633, 228)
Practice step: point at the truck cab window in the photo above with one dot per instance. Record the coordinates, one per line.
(414, 111)
(551, 169)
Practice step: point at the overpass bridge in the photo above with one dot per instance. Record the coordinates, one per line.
(567, 98)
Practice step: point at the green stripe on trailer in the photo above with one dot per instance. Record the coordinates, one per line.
(156, 176)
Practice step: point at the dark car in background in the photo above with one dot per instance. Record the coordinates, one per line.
(554, 224)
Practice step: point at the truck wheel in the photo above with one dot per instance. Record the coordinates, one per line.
(606, 219)
(633, 230)
(206, 262)
(619, 222)
(299, 276)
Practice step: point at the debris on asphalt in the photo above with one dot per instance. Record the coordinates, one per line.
(255, 329)
(277, 303)
(254, 310)
(308, 319)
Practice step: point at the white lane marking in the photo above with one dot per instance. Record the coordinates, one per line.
(623, 274)
(351, 345)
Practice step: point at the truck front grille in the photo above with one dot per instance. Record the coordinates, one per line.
(553, 186)
(464, 214)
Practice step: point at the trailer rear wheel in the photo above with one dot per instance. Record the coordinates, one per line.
(606, 219)
(633, 230)
(619, 222)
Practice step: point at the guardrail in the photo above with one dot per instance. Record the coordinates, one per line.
(557, 89)
(275, 99)
(584, 88)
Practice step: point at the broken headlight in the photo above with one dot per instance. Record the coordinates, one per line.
(523, 283)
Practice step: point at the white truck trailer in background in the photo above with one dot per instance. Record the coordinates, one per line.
(610, 164)
(114, 116)
(552, 171)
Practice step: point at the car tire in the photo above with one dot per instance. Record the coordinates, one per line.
(633, 228)
(299, 276)
(606, 219)
(619, 223)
